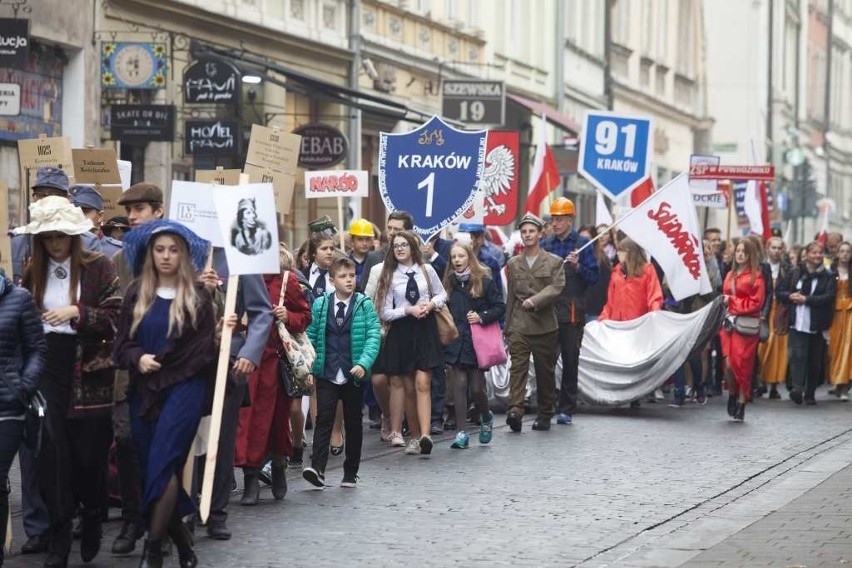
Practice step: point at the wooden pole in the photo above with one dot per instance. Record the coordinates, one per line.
(731, 198)
(341, 228)
(8, 544)
(218, 400)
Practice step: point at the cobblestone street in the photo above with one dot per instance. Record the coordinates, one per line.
(654, 486)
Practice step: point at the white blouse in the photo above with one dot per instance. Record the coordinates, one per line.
(56, 294)
(395, 302)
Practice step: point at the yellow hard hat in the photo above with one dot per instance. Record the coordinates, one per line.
(562, 206)
(361, 228)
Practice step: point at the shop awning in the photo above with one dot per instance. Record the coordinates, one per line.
(553, 116)
(366, 102)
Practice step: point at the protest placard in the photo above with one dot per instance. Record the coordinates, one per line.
(248, 228)
(219, 176)
(192, 204)
(96, 166)
(273, 157)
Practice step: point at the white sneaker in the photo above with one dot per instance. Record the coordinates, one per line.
(396, 440)
(413, 447)
(844, 397)
(658, 395)
(385, 432)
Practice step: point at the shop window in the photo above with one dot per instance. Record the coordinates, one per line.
(41, 94)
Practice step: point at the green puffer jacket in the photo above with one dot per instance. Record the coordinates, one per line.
(366, 333)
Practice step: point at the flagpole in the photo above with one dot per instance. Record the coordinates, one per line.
(731, 197)
(625, 216)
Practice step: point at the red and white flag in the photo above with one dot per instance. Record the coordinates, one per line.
(756, 204)
(545, 174)
(666, 226)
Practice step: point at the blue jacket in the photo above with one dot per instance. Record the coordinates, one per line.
(490, 307)
(22, 347)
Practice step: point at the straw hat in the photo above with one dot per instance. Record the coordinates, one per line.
(55, 214)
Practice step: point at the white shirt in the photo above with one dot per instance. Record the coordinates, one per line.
(313, 275)
(399, 282)
(803, 311)
(776, 268)
(56, 294)
(340, 378)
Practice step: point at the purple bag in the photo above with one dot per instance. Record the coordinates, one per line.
(488, 344)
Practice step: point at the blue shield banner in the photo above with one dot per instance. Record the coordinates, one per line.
(615, 151)
(432, 172)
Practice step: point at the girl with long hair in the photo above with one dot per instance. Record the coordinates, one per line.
(608, 242)
(473, 299)
(634, 289)
(77, 293)
(265, 426)
(166, 340)
(408, 293)
(743, 293)
(840, 332)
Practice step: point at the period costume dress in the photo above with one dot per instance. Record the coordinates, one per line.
(773, 354)
(745, 299)
(840, 335)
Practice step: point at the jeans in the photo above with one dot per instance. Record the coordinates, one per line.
(698, 387)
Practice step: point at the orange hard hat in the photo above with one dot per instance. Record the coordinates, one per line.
(562, 206)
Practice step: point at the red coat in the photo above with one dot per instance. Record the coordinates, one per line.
(630, 297)
(264, 427)
(744, 298)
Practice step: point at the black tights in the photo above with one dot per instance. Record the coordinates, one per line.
(162, 510)
(460, 379)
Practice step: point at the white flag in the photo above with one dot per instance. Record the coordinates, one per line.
(752, 204)
(602, 216)
(666, 226)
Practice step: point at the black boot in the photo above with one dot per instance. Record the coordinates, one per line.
(152, 554)
(279, 477)
(60, 547)
(732, 405)
(125, 542)
(184, 541)
(740, 416)
(251, 491)
(90, 534)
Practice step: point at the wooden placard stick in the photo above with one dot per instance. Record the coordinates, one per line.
(8, 544)
(218, 400)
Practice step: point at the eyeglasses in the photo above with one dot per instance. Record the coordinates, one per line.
(399, 246)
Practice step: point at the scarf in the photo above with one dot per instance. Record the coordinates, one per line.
(464, 275)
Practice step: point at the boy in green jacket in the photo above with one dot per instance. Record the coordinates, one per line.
(346, 334)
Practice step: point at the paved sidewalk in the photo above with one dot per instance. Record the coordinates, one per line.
(812, 531)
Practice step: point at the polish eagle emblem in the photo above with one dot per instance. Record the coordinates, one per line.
(497, 177)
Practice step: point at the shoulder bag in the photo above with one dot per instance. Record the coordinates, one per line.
(488, 344)
(447, 330)
(34, 411)
(295, 356)
(748, 326)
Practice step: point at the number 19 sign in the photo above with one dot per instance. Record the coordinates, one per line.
(615, 151)
(432, 172)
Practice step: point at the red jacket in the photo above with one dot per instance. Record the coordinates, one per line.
(632, 297)
(744, 298)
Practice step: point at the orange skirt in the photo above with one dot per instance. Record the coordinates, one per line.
(773, 355)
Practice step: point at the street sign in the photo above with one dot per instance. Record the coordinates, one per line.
(322, 146)
(735, 173)
(142, 123)
(211, 81)
(211, 137)
(614, 151)
(432, 172)
(14, 41)
(474, 102)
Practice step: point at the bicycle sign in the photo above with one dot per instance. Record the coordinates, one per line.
(432, 172)
(615, 151)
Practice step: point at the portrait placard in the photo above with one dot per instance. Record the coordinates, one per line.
(96, 165)
(248, 228)
(191, 204)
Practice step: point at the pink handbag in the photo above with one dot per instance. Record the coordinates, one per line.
(488, 344)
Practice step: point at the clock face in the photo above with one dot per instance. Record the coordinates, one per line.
(134, 65)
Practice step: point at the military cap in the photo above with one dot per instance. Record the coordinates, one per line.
(86, 197)
(532, 219)
(322, 225)
(51, 177)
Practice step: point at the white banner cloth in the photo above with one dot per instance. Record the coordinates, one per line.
(623, 361)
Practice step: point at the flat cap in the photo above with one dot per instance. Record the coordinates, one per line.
(142, 192)
(532, 219)
(51, 177)
(86, 197)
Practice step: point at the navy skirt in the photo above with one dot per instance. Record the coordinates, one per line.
(163, 444)
(412, 345)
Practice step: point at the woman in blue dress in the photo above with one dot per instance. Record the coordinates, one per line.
(166, 340)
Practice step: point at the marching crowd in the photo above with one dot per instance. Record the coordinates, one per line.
(111, 331)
